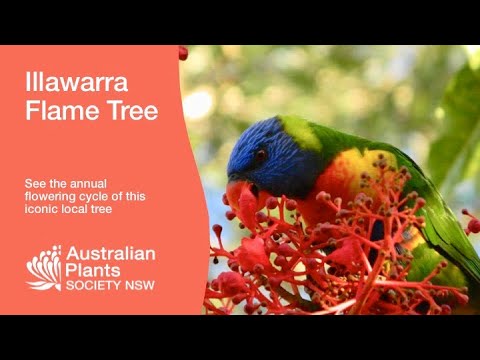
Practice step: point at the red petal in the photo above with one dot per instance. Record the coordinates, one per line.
(247, 204)
(231, 283)
(349, 255)
(251, 253)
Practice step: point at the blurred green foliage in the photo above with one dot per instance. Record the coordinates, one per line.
(455, 155)
(386, 93)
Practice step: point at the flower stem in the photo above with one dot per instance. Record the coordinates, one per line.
(377, 268)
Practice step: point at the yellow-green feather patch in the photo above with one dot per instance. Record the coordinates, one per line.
(301, 132)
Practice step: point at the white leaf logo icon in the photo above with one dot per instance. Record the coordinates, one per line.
(46, 267)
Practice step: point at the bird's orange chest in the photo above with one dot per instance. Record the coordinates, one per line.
(341, 179)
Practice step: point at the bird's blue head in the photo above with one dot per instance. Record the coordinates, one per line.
(274, 161)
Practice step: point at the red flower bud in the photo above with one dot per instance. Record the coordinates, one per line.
(233, 264)
(230, 215)
(280, 261)
(274, 282)
(237, 299)
(182, 53)
(285, 250)
(250, 308)
(215, 285)
(271, 203)
(323, 196)
(217, 229)
(291, 205)
(261, 217)
(421, 202)
(474, 226)
(413, 195)
(225, 199)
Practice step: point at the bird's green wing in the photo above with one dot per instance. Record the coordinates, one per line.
(442, 229)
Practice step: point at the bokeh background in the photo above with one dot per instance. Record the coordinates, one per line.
(423, 99)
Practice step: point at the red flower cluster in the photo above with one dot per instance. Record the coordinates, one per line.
(283, 268)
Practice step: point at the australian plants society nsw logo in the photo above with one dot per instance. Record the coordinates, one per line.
(96, 269)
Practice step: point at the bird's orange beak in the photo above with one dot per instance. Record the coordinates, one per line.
(235, 188)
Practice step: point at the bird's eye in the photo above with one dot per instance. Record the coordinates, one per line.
(260, 156)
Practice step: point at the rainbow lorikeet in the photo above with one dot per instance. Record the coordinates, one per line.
(290, 156)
